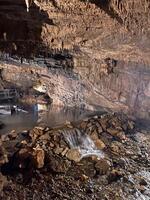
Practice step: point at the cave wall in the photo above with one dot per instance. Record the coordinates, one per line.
(102, 48)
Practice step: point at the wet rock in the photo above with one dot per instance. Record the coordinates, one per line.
(94, 135)
(102, 166)
(12, 135)
(74, 155)
(99, 144)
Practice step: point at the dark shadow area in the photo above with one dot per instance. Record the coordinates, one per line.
(107, 7)
(20, 31)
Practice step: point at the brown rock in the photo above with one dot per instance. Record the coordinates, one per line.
(3, 155)
(83, 177)
(100, 130)
(130, 124)
(28, 157)
(12, 135)
(58, 150)
(24, 142)
(4, 138)
(83, 125)
(39, 128)
(64, 151)
(115, 175)
(112, 131)
(38, 156)
(103, 122)
(116, 133)
(102, 166)
(3, 181)
(51, 145)
(35, 133)
(121, 135)
(57, 164)
(99, 144)
(143, 182)
(142, 188)
(45, 136)
(115, 148)
(23, 158)
(74, 154)
(94, 135)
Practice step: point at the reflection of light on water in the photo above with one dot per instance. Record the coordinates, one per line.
(42, 115)
(56, 115)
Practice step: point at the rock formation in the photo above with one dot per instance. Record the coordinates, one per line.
(97, 52)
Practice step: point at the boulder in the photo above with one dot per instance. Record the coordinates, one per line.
(99, 144)
(38, 156)
(74, 155)
(36, 132)
(102, 166)
(29, 158)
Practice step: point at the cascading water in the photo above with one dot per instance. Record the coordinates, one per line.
(82, 142)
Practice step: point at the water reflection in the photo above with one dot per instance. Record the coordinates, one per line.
(40, 115)
(55, 115)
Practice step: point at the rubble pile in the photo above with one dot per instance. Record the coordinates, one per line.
(41, 162)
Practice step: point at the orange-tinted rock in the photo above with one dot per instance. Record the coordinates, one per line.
(99, 144)
(38, 156)
(74, 154)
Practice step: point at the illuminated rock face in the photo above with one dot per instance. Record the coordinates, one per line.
(97, 53)
(40, 88)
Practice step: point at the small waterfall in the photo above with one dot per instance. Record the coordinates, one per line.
(81, 141)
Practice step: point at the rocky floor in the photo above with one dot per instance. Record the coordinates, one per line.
(46, 163)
